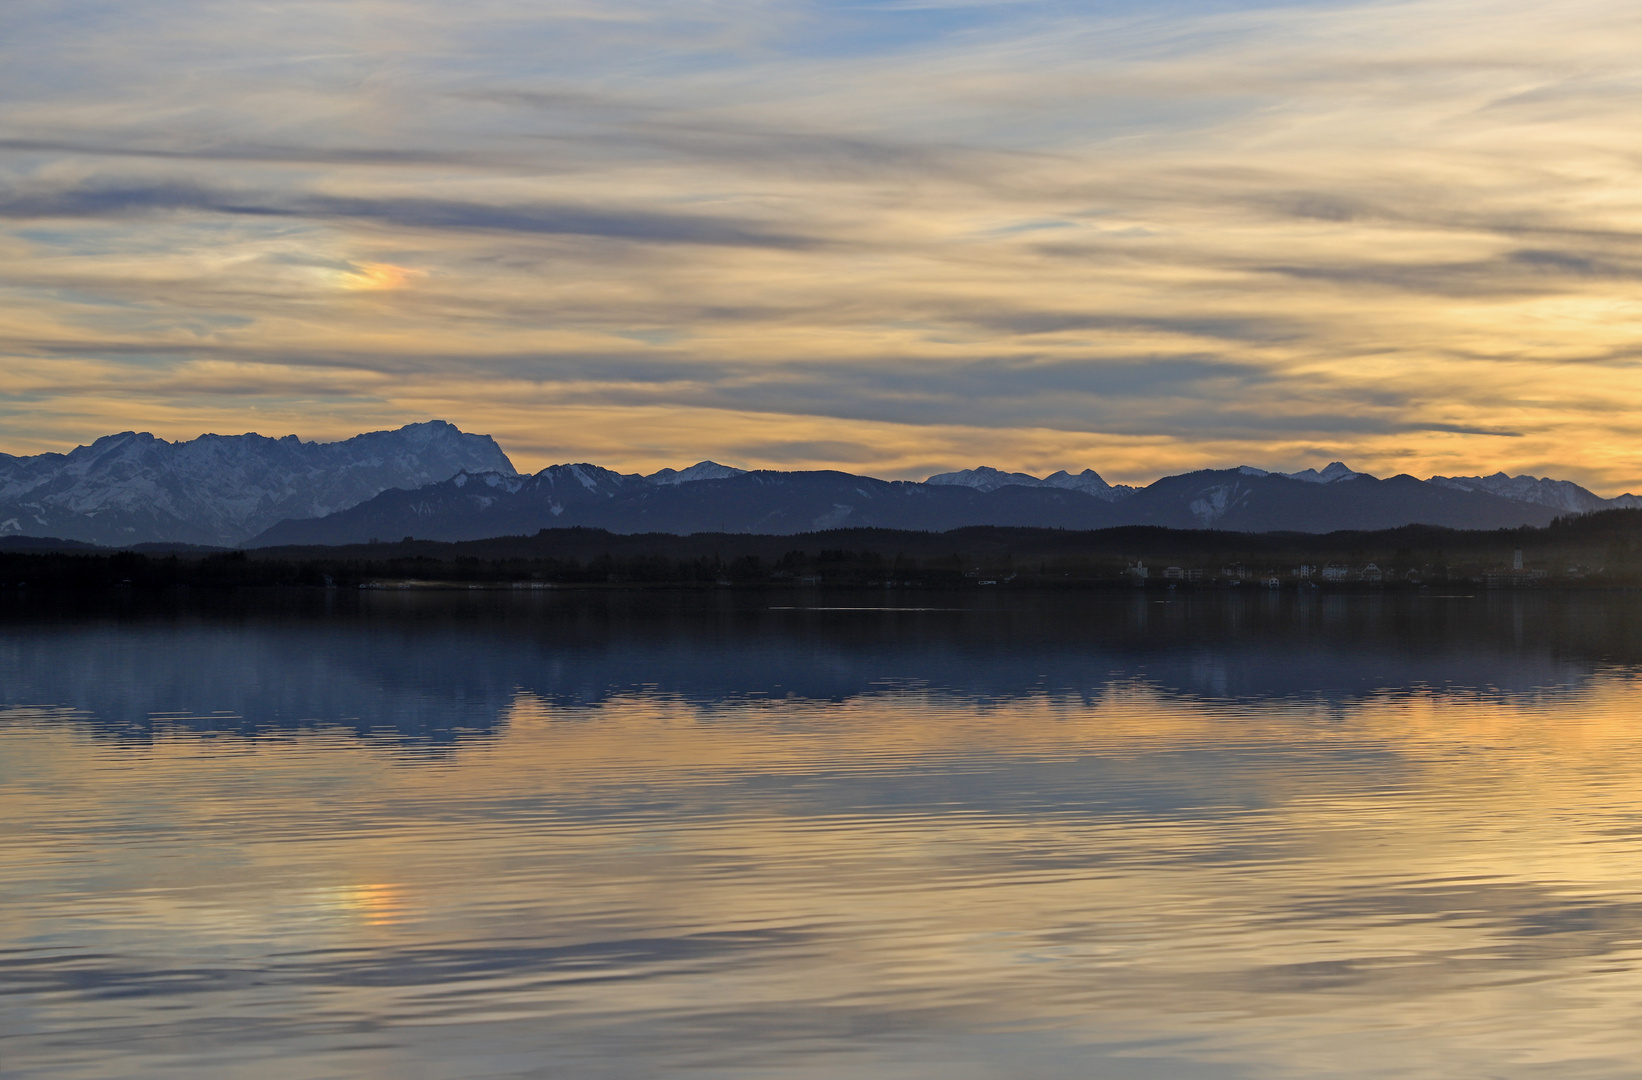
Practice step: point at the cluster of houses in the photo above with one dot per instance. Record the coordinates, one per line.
(1333, 573)
(1516, 577)
(1236, 575)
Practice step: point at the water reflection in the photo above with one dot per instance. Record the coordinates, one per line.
(438, 666)
(654, 838)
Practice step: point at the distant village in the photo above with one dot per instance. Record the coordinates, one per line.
(1517, 575)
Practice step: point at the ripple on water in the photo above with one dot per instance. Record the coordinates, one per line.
(1063, 867)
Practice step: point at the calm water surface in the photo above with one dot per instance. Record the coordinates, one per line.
(571, 835)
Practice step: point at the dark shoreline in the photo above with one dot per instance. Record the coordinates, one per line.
(1595, 551)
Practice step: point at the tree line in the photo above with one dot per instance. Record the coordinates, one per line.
(1602, 550)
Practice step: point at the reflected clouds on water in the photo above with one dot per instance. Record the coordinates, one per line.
(728, 836)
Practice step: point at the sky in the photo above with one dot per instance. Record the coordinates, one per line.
(893, 237)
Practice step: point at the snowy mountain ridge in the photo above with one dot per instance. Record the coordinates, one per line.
(701, 470)
(228, 490)
(1562, 494)
(1559, 494)
(986, 478)
(135, 488)
(1335, 470)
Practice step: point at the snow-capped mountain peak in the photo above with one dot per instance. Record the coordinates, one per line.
(701, 470)
(1561, 494)
(133, 488)
(1334, 471)
(986, 478)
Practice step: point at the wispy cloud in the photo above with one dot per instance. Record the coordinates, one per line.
(895, 238)
(118, 201)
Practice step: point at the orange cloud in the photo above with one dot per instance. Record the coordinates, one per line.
(1401, 235)
(378, 276)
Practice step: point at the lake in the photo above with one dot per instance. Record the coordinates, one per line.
(1119, 835)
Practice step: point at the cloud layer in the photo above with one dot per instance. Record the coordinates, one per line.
(893, 238)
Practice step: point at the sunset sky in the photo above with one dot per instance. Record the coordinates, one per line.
(890, 237)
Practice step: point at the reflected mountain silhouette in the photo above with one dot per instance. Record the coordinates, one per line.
(435, 667)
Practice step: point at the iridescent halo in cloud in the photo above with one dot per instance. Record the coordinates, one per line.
(895, 238)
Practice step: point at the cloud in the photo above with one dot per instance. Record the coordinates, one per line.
(119, 201)
(1520, 273)
(807, 451)
(231, 151)
(1404, 232)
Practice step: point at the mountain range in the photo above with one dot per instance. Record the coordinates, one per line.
(222, 490)
(433, 481)
(473, 506)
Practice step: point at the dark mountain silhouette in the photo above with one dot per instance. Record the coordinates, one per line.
(470, 507)
(432, 481)
(1242, 500)
(475, 507)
